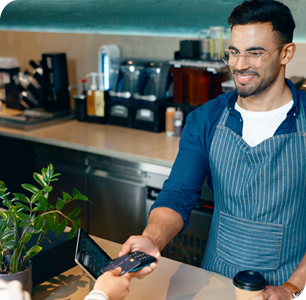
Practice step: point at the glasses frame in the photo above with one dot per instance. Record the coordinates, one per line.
(244, 56)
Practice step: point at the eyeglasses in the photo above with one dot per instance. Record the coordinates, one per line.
(252, 58)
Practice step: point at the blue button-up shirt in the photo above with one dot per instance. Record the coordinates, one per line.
(183, 187)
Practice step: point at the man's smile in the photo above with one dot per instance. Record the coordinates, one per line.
(243, 78)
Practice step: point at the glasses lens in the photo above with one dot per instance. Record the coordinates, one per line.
(253, 59)
(229, 58)
(225, 56)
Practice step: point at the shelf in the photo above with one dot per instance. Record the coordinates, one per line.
(210, 66)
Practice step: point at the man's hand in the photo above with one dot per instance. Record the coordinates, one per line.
(144, 244)
(274, 293)
(114, 285)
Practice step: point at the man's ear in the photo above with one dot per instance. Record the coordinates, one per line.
(287, 53)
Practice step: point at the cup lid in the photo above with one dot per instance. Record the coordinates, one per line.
(249, 280)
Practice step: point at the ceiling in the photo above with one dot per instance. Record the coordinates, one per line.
(129, 17)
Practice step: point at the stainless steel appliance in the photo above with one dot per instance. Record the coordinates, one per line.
(117, 191)
(188, 246)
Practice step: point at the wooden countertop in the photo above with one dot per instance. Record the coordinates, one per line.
(171, 280)
(114, 141)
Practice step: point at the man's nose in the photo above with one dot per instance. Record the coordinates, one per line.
(242, 64)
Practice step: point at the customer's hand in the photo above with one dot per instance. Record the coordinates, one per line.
(144, 244)
(114, 285)
(13, 291)
(274, 293)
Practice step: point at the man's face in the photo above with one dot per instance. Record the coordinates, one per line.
(249, 80)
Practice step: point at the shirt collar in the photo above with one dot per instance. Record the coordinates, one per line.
(295, 94)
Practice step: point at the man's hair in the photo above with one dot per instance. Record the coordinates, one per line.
(263, 11)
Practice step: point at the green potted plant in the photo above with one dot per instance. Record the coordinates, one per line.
(28, 218)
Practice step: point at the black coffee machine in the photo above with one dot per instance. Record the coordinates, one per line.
(55, 82)
(139, 100)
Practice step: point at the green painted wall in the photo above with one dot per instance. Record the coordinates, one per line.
(129, 17)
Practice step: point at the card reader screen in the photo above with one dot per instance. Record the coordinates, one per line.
(92, 257)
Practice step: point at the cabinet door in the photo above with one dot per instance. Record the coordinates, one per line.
(118, 206)
(18, 162)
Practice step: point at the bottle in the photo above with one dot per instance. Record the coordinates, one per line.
(169, 121)
(178, 122)
(99, 99)
(84, 88)
(95, 100)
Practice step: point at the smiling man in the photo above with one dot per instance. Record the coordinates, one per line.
(251, 145)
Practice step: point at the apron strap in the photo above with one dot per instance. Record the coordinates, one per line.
(224, 117)
(300, 120)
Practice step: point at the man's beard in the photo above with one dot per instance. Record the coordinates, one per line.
(247, 91)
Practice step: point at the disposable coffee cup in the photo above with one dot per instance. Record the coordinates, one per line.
(248, 284)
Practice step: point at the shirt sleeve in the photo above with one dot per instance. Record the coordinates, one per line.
(96, 295)
(182, 189)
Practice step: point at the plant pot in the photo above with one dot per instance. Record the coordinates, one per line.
(25, 277)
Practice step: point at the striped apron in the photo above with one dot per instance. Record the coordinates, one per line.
(259, 222)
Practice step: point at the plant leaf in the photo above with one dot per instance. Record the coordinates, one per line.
(26, 237)
(66, 197)
(38, 208)
(60, 203)
(78, 196)
(21, 207)
(74, 213)
(54, 221)
(10, 245)
(33, 251)
(23, 216)
(6, 235)
(39, 178)
(38, 222)
(46, 195)
(3, 223)
(44, 175)
(5, 215)
(5, 203)
(35, 197)
(61, 227)
(21, 198)
(75, 225)
(39, 237)
(23, 224)
(50, 171)
(48, 189)
(30, 187)
(2, 184)
(2, 192)
(43, 202)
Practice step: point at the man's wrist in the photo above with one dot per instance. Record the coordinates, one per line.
(296, 291)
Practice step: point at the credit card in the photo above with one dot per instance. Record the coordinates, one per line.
(126, 263)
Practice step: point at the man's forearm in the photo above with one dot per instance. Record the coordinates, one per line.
(298, 277)
(164, 223)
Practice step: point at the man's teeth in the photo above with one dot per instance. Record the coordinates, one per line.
(245, 76)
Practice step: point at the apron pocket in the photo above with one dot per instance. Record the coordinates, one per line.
(249, 245)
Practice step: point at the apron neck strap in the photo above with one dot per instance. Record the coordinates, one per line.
(300, 120)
